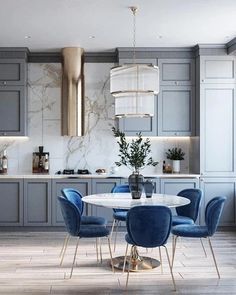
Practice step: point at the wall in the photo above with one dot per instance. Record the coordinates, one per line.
(98, 148)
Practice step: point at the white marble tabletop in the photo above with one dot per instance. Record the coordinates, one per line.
(125, 201)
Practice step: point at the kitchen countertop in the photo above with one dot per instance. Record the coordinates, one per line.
(84, 176)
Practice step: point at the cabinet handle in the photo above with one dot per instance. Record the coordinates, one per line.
(176, 83)
(202, 80)
(4, 83)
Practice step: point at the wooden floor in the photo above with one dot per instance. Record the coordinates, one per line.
(29, 264)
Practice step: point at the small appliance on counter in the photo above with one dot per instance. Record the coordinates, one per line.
(3, 162)
(72, 171)
(40, 161)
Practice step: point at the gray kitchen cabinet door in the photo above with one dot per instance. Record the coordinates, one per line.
(100, 186)
(217, 69)
(11, 202)
(13, 105)
(213, 187)
(172, 186)
(176, 111)
(37, 202)
(12, 72)
(82, 185)
(175, 72)
(217, 130)
(131, 126)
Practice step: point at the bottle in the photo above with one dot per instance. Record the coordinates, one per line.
(46, 164)
(4, 162)
(164, 167)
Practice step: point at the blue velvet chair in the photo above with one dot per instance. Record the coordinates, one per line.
(119, 215)
(213, 213)
(75, 197)
(72, 218)
(148, 227)
(188, 214)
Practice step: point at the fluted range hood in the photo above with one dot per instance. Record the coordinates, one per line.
(72, 91)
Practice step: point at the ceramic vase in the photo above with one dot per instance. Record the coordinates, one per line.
(176, 166)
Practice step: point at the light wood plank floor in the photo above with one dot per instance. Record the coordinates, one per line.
(29, 264)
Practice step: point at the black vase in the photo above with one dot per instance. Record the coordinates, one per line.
(136, 185)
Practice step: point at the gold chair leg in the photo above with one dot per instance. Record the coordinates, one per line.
(109, 245)
(117, 225)
(64, 248)
(126, 251)
(97, 249)
(112, 228)
(170, 266)
(130, 257)
(73, 263)
(204, 250)
(100, 247)
(160, 259)
(173, 249)
(213, 255)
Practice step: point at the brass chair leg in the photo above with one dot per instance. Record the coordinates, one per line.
(130, 257)
(73, 263)
(160, 259)
(64, 250)
(173, 249)
(213, 255)
(117, 225)
(109, 245)
(97, 249)
(204, 250)
(112, 228)
(170, 266)
(126, 251)
(100, 247)
(63, 246)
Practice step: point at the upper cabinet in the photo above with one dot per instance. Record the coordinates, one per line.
(174, 105)
(217, 69)
(13, 93)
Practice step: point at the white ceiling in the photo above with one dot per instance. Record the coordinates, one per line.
(53, 24)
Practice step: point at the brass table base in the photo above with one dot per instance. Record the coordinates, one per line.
(141, 264)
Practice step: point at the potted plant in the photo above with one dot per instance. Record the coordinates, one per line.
(176, 155)
(135, 156)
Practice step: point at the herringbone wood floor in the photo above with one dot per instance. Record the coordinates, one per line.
(29, 264)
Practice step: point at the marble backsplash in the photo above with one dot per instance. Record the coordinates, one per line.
(98, 148)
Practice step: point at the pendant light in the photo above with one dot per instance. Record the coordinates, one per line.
(134, 85)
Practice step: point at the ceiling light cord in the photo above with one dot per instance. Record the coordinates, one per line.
(134, 10)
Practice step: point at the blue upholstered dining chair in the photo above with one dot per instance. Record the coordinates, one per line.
(188, 214)
(75, 197)
(119, 214)
(213, 213)
(148, 227)
(72, 217)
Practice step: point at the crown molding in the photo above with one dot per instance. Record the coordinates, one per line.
(231, 47)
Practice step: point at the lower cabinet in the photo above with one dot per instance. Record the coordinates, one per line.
(83, 185)
(213, 187)
(173, 186)
(100, 186)
(37, 202)
(11, 202)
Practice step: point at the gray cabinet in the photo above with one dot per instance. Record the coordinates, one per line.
(217, 130)
(176, 106)
(37, 202)
(82, 185)
(11, 202)
(217, 69)
(131, 126)
(100, 186)
(173, 186)
(175, 72)
(13, 110)
(13, 72)
(213, 187)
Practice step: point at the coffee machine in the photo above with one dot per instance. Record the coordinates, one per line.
(40, 161)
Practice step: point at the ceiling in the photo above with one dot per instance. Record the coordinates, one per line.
(101, 25)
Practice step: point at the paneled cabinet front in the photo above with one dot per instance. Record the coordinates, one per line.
(100, 186)
(12, 72)
(174, 185)
(82, 185)
(11, 202)
(213, 187)
(37, 202)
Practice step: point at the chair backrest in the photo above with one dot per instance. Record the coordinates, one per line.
(213, 213)
(192, 209)
(123, 188)
(149, 226)
(71, 215)
(74, 196)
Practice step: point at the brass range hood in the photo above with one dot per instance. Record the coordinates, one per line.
(72, 91)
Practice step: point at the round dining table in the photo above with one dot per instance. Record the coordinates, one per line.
(125, 201)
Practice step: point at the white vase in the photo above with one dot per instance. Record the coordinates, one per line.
(176, 166)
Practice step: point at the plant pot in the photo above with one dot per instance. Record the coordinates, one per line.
(176, 166)
(136, 185)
